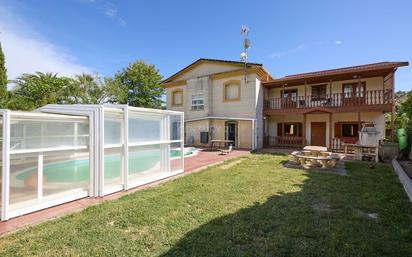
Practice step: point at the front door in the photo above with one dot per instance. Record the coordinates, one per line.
(318, 133)
(231, 131)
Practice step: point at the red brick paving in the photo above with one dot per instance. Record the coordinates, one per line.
(192, 164)
(205, 158)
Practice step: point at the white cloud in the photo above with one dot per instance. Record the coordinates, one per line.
(338, 42)
(108, 9)
(27, 52)
(280, 54)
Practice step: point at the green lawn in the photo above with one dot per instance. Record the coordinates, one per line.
(255, 208)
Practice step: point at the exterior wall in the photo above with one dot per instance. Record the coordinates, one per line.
(193, 129)
(205, 69)
(169, 95)
(244, 135)
(249, 106)
(259, 114)
(245, 108)
(316, 118)
(377, 118)
(215, 106)
(375, 83)
(274, 120)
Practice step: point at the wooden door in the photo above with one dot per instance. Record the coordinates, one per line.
(318, 133)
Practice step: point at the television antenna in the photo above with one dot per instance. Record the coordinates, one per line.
(246, 45)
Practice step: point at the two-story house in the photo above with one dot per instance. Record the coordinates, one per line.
(328, 108)
(221, 100)
(226, 100)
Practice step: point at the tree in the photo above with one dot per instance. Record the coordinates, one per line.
(405, 115)
(36, 90)
(91, 89)
(85, 89)
(140, 86)
(3, 81)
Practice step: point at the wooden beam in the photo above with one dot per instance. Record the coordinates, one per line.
(304, 130)
(348, 109)
(393, 108)
(330, 88)
(330, 131)
(305, 89)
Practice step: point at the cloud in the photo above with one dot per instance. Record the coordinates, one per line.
(338, 42)
(26, 51)
(280, 54)
(108, 9)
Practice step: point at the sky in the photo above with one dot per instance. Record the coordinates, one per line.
(288, 37)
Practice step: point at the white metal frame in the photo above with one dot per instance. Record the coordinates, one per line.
(7, 117)
(95, 116)
(6, 166)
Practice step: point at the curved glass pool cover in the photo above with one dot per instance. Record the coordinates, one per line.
(65, 152)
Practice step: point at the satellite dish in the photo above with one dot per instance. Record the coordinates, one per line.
(243, 57)
(244, 30)
(246, 43)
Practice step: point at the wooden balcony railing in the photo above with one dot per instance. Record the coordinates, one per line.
(372, 97)
(283, 142)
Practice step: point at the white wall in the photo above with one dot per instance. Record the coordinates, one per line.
(251, 96)
(205, 69)
(245, 108)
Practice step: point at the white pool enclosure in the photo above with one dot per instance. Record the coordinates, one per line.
(61, 153)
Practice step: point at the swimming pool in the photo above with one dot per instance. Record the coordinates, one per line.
(75, 171)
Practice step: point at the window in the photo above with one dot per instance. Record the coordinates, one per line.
(349, 130)
(198, 103)
(177, 98)
(354, 90)
(231, 91)
(290, 94)
(318, 92)
(291, 129)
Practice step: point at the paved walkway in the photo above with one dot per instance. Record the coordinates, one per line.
(192, 164)
(206, 158)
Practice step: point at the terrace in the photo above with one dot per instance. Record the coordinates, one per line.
(349, 100)
(357, 88)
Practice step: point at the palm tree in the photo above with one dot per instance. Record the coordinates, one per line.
(40, 89)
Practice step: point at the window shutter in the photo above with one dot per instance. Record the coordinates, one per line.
(300, 129)
(338, 132)
(356, 130)
(280, 129)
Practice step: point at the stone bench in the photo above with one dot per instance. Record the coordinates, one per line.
(326, 159)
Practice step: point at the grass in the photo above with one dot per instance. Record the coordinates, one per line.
(254, 208)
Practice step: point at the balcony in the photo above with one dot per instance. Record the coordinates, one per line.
(372, 100)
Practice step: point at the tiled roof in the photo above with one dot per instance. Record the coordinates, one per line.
(341, 71)
(209, 60)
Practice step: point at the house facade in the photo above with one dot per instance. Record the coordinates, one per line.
(225, 100)
(221, 100)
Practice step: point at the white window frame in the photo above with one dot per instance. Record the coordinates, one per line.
(198, 102)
